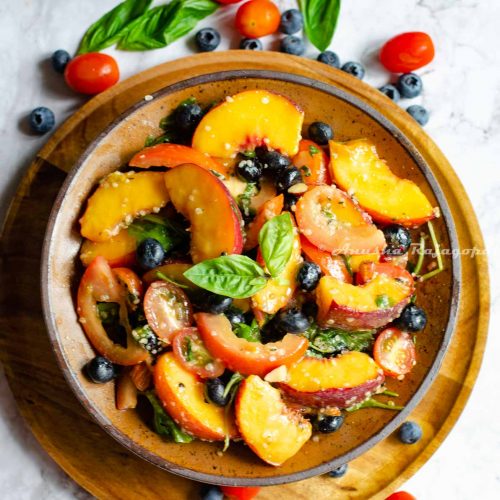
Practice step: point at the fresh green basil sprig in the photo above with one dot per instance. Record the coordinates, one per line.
(320, 20)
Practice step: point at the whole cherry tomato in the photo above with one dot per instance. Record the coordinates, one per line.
(394, 352)
(407, 52)
(239, 492)
(91, 73)
(401, 495)
(257, 18)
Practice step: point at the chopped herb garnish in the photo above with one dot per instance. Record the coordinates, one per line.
(244, 199)
(347, 262)
(248, 332)
(230, 390)
(383, 301)
(313, 150)
(306, 171)
(373, 403)
(335, 341)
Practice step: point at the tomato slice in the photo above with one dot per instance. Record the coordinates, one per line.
(368, 271)
(99, 284)
(401, 495)
(167, 309)
(312, 161)
(190, 350)
(397, 260)
(394, 352)
(239, 492)
(132, 285)
(240, 355)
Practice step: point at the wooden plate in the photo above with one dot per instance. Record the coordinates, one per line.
(43, 182)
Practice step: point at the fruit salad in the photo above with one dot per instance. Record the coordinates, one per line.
(253, 284)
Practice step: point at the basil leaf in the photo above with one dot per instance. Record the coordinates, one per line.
(108, 29)
(235, 276)
(166, 232)
(320, 20)
(164, 24)
(248, 332)
(335, 341)
(276, 243)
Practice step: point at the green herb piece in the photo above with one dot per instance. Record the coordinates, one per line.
(166, 232)
(313, 150)
(249, 154)
(164, 277)
(110, 27)
(189, 350)
(335, 341)
(347, 262)
(373, 403)
(306, 170)
(391, 394)
(320, 20)
(109, 312)
(244, 199)
(383, 301)
(248, 332)
(421, 255)
(164, 24)
(437, 251)
(276, 243)
(164, 425)
(167, 137)
(145, 336)
(231, 389)
(235, 276)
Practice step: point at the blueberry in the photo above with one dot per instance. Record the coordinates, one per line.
(355, 69)
(328, 424)
(292, 45)
(339, 471)
(410, 85)
(249, 169)
(251, 44)
(211, 492)
(42, 120)
(100, 370)
(207, 39)
(291, 321)
(320, 133)
(287, 178)
(330, 58)
(272, 161)
(391, 92)
(310, 309)
(216, 304)
(290, 202)
(419, 113)
(150, 253)
(308, 276)
(214, 388)
(412, 319)
(291, 21)
(235, 316)
(187, 116)
(60, 58)
(410, 433)
(398, 239)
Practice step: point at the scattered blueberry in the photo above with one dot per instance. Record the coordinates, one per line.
(291, 321)
(215, 391)
(419, 113)
(60, 58)
(339, 471)
(391, 92)
(292, 45)
(272, 161)
(354, 68)
(330, 58)
(249, 169)
(216, 304)
(291, 21)
(328, 424)
(308, 276)
(410, 85)
(310, 309)
(320, 133)
(410, 432)
(207, 39)
(187, 116)
(287, 178)
(150, 253)
(290, 202)
(211, 492)
(412, 319)
(100, 370)
(42, 120)
(251, 44)
(235, 316)
(398, 239)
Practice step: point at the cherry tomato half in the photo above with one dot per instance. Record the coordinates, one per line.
(92, 73)
(190, 350)
(257, 18)
(239, 492)
(401, 495)
(132, 285)
(313, 163)
(394, 352)
(407, 52)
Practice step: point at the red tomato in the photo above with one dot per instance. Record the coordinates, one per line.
(167, 309)
(132, 285)
(401, 495)
(394, 352)
(190, 350)
(407, 52)
(91, 73)
(257, 18)
(312, 161)
(239, 492)
(368, 270)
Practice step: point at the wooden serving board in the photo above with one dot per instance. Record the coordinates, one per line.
(59, 422)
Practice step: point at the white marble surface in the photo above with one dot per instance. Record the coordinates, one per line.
(462, 91)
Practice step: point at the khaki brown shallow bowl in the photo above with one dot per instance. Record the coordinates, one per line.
(200, 461)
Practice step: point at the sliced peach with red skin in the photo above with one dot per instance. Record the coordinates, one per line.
(267, 211)
(243, 356)
(312, 161)
(172, 155)
(356, 168)
(355, 261)
(118, 251)
(182, 394)
(341, 381)
(249, 119)
(172, 270)
(215, 219)
(330, 220)
(271, 429)
(119, 198)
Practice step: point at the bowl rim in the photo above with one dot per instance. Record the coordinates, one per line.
(139, 450)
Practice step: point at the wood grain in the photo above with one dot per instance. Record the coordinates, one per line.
(64, 429)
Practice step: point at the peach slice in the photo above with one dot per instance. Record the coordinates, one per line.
(247, 120)
(341, 381)
(267, 211)
(356, 167)
(329, 219)
(118, 251)
(312, 161)
(203, 199)
(119, 198)
(271, 429)
(173, 270)
(182, 395)
(355, 261)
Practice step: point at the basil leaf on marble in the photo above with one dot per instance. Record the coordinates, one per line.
(320, 20)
